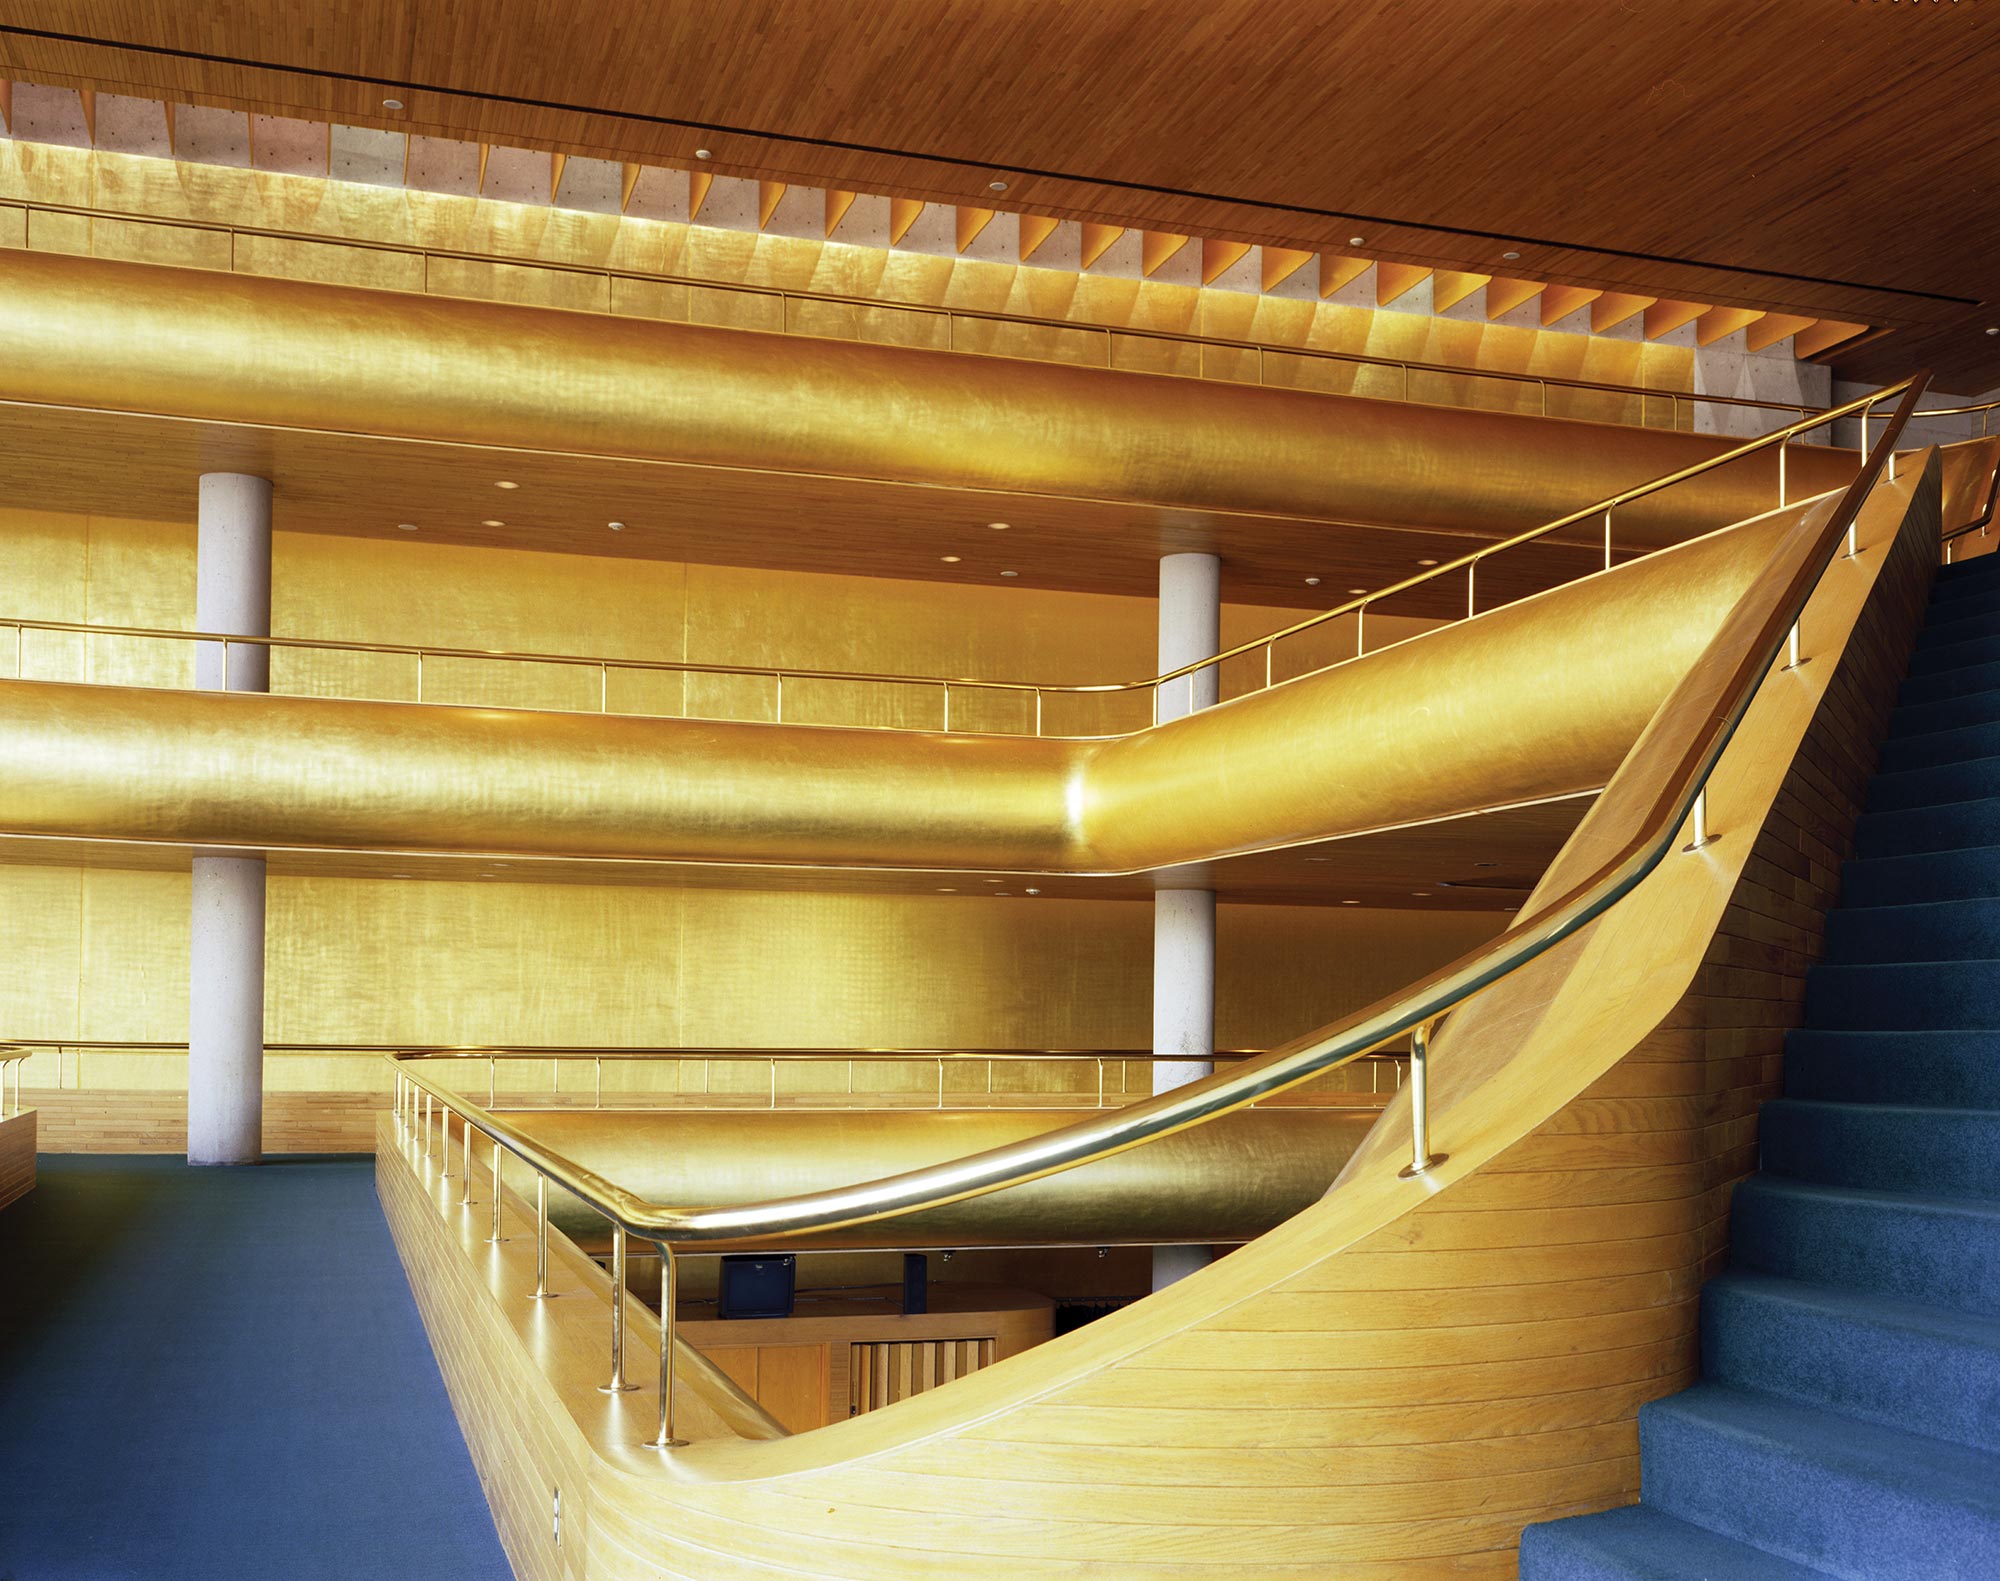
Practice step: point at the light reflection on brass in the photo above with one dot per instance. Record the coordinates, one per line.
(108, 336)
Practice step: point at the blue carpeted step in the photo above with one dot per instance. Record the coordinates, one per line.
(1824, 1490)
(1940, 746)
(1883, 1147)
(1640, 1544)
(1944, 826)
(1957, 655)
(1958, 621)
(1955, 1069)
(1975, 576)
(1946, 713)
(1940, 930)
(1967, 779)
(1971, 874)
(1956, 682)
(1914, 996)
(1889, 1243)
(1900, 1363)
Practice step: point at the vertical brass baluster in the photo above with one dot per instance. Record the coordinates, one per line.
(496, 1237)
(1421, 1156)
(670, 1285)
(465, 1185)
(541, 1237)
(618, 1385)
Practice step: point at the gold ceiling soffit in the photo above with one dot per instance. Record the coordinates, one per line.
(95, 335)
(1537, 699)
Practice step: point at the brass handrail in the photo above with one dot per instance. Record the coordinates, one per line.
(785, 296)
(16, 1055)
(1603, 509)
(1681, 801)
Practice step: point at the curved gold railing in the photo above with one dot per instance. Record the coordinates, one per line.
(1601, 512)
(1680, 801)
(951, 317)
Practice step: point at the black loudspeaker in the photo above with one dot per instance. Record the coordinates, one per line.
(757, 1287)
(916, 1290)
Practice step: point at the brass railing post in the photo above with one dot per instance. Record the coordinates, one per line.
(618, 1385)
(444, 1141)
(496, 1237)
(541, 1237)
(427, 1127)
(465, 1193)
(1698, 822)
(1421, 1156)
(663, 1436)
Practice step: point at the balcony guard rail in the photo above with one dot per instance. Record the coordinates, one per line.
(1682, 801)
(12, 1056)
(1600, 512)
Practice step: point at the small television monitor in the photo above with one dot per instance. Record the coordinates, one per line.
(756, 1286)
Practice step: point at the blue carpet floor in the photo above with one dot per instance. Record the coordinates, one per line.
(219, 1374)
(1848, 1419)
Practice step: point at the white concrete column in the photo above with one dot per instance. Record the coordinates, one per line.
(1184, 919)
(226, 938)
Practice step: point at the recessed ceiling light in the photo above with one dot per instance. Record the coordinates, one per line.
(1357, 241)
(616, 526)
(1418, 894)
(505, 483)
(993, 881)
(1993, 329)
(998, 526)
(1010, 573)
(949, 559)
(392, 104)
(1312, 581)
(1350, 902)
(1003, 894)
(947, 892)
(1427, 562)
(406, 526)
(701, 153)
(996, 186)
(399, 875)
(1031, 891)
(493, 521)
(1357, 590)
(1510, 256)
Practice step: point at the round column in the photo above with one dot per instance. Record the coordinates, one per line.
(226, 936)
(1184, 919)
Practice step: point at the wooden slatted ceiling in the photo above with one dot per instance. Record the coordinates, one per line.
(1411, 113)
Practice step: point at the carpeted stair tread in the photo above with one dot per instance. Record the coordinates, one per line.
(1955, 620)
(1965, 779)
(1941, 826)
(1957, 655)
(1972, 873)
(1890, 1243)
(1853, 1498)
(1883, 1147)
(1931, 686)
(1940, 746)
(1900, 1363)
(1933, 930)
(1640, 1544)
(1945, 713)
(1956, 1069)
(1905, 996)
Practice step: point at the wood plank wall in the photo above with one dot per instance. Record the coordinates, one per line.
(17, 1156)
(105, 1121)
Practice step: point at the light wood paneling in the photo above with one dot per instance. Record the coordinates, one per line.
(17, 1156)
(120, 1120)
